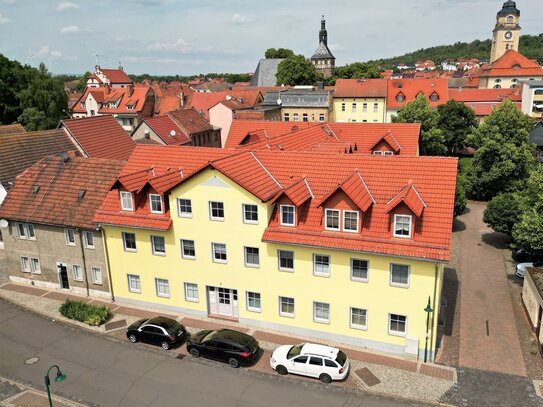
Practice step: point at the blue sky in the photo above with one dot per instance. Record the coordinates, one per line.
(198, 36)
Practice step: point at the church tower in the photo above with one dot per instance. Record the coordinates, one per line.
(322, 59)
(507, 31)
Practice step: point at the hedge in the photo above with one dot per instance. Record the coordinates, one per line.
(87, 313)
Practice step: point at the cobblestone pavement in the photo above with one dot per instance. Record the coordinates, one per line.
(14, 394)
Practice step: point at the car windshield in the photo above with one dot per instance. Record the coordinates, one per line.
(341, 358)
(294, 351)
(173, 328)
(209, 336)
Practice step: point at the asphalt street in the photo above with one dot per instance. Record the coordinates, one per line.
(106, 372)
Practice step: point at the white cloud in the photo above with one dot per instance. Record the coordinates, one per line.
(67, 5)
(180, 45)
(44, 50)
(55, 53)
(3, 19)
(239, 19)
(71, 29)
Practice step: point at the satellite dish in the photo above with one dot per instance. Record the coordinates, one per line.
(3, 223)
(172, 133)
(279, 101)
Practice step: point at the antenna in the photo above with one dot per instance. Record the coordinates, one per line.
(96, 56)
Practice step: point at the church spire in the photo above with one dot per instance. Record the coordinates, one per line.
(323, 34)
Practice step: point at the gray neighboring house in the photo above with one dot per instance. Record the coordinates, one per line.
(536, 137)
(265, 73)
(47, 220)
(302, 103)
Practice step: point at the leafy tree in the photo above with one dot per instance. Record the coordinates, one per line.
(358, 70)
(33, 119)
(503, 158)
(296, 70)
(82, 82)
(503, 212)
(529, 231)
(237, 77)
(456, 120)
(272, 53)
(460, 196)
(419, 111)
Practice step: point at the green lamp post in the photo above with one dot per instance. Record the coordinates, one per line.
(428, 310)
(59, 378)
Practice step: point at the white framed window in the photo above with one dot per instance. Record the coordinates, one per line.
(77, 272)
(350, 221)
(219, 252)
(96, 275)
(364, 107)
(358, 318)
(305, 117)
(250, 213)
(286, 117)
(216, 210)
(252, 256)
(287, 215)
(127, 201)
(359, 270)
(162, 287)
(397, 324)
(184, 208)
(35, 265)
(155, 202)
(399, 275)
(158, 245)
(388, 152)
(332, 219)
(254, 302)
(129, 241)
(25, 264)
(88, 238)
(402, 225)
(295, 117)
(377, 153)
(188, 249)
(321, 265)
(353, 107)
(321, 312)
(134, 283)
(25, 231)
(375, 107)
(321, 117)
(191, 292)
(285, 260)
(69, 234)
(21, 230)
(286, 307)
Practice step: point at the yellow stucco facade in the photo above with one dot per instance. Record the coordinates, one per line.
(216, 282)
(359, 110)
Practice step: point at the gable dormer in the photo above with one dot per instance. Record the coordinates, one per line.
(386, 145)
(406, 203)
(291, 199)
(434, 97)
(400, 97)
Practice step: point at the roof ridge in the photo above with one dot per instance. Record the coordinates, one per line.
(265, 169)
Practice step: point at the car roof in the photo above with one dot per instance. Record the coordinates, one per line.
(161, 321)
(321, 350)
(234, 336)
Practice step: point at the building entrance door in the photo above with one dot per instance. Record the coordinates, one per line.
(63, 275)
(223, 301)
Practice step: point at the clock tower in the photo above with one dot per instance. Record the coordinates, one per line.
(505, 35)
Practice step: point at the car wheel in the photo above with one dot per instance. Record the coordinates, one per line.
(195, 353)
(233, 362)
(282, 370)
(325, 378)
(165, 345)
(132, 338)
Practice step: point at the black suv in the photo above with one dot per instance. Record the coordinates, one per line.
(162, 331)
(227, 345)
(522, 255)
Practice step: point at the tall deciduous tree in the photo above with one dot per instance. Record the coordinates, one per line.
(456, 120)
(278, 53)
(296, 70)
(503, 212)
(358, 70)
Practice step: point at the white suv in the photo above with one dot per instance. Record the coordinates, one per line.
(312, 360)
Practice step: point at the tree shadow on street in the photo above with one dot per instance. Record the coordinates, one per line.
(497, 240)
(458, 225)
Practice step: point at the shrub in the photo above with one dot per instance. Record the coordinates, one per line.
(83, 312)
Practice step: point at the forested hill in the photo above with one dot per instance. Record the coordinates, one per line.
(530, 46)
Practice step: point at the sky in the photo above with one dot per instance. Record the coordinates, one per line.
(168, 37)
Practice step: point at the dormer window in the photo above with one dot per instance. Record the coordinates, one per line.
(287, 215)
(113, 105)
(377, 153)
(332, 219)
(516, 66)
(434, 97)
(127, 202)
(402, 226)
(83, 105)
(400, 97)
(350, 221)
(129, 107)
(155, 202)
(388, 152)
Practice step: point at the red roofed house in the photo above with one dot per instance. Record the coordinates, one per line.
(99, 137)
(55, 244)
(343, 247)
(249, 131)
(508, 70)
(427, 65)
(483, 101)
(181, 127)
(360, 100)
(116, 78)
(203, 101)
(401, 91)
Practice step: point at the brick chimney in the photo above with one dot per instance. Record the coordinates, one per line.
(107, 86)
(130, 90)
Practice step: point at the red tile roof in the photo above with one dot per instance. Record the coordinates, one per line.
(410, 88)
(356, 189)
(485, 95)
(190, 121)
(484, 109)
(254, 130)
(163, 127)
(354, 138)
(352, 88)
(100, 137)
(11, 129)
(512, 63)
(58, 192)
(410, 196)
(20, 150)
(119, 95)
(203, 101)
(116, 76)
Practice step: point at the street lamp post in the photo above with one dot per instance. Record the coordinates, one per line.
(428, 309)
(59, 377)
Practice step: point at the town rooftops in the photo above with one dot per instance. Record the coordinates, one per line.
(512, 63)
(203, 101)
(360, 88)
(245, 131)
(484, 95)
(401, 91)
(298, 97)
(11, 129)
(61, 190)
(18, 151)
(100, 137)
(127, 100)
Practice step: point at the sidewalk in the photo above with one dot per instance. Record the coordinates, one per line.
(14, 394)
(370, 371)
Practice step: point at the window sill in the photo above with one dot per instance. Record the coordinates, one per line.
(194, 300)
(135, 291)
(400, 334)
(286, 270)
(130, 250)
(326, 322)
(254, 310)
(359, 327)
(188, 216)
(321, 274)
(252, 266)
(163, 296)
(159, 254)
(217, 219)
(188, 257)
(249, 222)
(97, 283)
(220, 261)
(287, 315)
(360, 280)
(399, 285)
